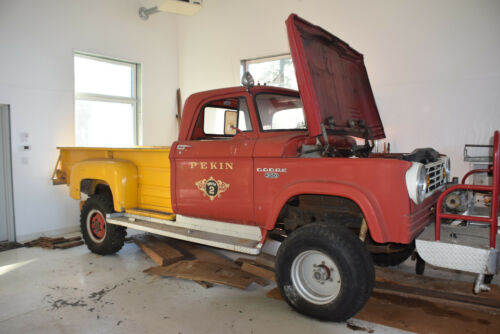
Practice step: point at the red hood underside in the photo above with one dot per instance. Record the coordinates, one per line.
(332, 80)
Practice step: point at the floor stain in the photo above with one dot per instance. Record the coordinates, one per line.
(96, 296)
(77, 301)
(63, 303)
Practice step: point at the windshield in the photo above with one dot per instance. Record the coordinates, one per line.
(280, 112)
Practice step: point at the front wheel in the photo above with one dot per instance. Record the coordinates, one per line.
(100, 237)
(324, 271)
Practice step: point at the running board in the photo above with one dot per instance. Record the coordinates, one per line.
(205, 232)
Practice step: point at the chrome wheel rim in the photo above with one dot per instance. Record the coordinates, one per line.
(316, 277)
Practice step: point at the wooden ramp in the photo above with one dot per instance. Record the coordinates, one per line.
(184, 260)
(431, 305)
(401, 300)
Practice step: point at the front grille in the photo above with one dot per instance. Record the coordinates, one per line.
(436, 178)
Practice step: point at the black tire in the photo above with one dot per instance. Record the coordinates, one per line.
(352, 261)
(96, 207)
(393, 259)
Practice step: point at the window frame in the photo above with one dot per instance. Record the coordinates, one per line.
(134, 100)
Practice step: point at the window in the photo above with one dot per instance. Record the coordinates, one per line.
(106, 102)
(271, 71)
(217, 119)
(280, 112)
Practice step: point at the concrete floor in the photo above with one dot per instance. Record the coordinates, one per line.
(75, 291)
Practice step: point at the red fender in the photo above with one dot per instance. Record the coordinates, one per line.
(365, 201)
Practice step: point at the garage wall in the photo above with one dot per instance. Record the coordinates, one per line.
(37, 40)
(434, 65)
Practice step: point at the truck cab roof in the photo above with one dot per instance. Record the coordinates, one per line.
(196, 100)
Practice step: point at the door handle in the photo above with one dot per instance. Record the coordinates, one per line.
(181, 147)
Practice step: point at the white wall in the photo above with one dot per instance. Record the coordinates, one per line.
(434, 66)
(37, 40)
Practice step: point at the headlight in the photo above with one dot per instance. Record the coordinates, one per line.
(416, 182)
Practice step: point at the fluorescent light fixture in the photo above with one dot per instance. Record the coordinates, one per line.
(181, 7)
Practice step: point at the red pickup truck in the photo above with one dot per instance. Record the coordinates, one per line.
(258, 162)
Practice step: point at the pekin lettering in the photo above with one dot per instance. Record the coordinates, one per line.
(211, 165)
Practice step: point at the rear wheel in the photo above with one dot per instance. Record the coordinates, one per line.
(100, 237)
(324, 271)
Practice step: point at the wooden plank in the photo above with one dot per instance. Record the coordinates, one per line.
(445, 296)
(43, 244)
(67, 240)
(39, 242)
(48, 242)
(69, 244)
(257, 270)
(157, 249)
(265, 259)
(49, 239)
(259, 280)
(275, 294)
(202, 253)
(239, 261)
(206, 285)
(197, 270)
(424, 316)
(432, 283)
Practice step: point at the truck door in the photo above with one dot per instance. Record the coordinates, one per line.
(214, 168)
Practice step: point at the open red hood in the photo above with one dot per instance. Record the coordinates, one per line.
(332, 80)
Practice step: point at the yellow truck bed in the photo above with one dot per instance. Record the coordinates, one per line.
(146, 171)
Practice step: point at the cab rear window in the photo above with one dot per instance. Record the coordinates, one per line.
(280, 112)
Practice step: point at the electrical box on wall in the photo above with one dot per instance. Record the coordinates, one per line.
(183, 7)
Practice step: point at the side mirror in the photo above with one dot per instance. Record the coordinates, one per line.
(230, 122)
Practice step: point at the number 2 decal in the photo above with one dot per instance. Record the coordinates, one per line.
(212, 188)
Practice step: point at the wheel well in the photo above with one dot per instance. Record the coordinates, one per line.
(92, 186)
(304, 209)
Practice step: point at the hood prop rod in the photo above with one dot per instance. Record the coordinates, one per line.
(325, 138)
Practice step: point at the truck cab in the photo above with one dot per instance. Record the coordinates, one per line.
(246, 156)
